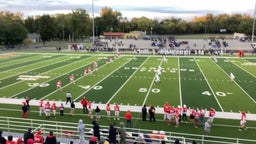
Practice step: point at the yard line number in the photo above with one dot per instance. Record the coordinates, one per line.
(154, 90)
(221, 94)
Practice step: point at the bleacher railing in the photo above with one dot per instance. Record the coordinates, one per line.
(69, 130)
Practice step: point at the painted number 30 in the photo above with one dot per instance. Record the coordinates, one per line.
(207, 93)
(155, 90)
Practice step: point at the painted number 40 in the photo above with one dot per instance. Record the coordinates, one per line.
(207, 93)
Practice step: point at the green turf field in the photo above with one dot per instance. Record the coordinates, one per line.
(129, 80)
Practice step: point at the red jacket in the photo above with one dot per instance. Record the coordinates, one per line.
(128, 115)
(84, 102)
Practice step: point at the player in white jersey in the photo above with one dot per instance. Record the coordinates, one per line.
(232, 77)
(157, 78)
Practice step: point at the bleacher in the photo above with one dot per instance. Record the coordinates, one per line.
(67, 132)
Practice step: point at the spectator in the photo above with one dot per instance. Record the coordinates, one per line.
(96, 130)
(112, 134)
(50, 139)
(97, 110)
(207, 127)
(24, 110)
(38, 138)
(28, 135)
(81, 128)
(128, 117)
(10, 140)
(93, 140)
(72, 109)
(117, 111)
(122, 133)
(144, 113)
(20, 141)
(30, 141)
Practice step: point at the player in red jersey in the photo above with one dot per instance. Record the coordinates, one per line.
(72, 78)
(85, 71)
(108, 111)
(89, 69)
(243, 122)
(41, 107)
(95, 66)
(89, 107)
(59, 84)
(47, 107)
(211, 114)
(117, 111)
(54, 108)
(166, 108)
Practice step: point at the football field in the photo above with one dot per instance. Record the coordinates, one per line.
(130, 79)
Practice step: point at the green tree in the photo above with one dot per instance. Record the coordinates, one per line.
(12, 32)
(80, 24)
(46, 28)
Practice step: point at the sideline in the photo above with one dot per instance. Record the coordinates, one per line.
(159, 110)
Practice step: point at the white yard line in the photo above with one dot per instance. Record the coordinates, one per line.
(100, 81)
(237, 84)
(181, 101)
(127, 81)
(209, 85)
(16, 73)
(49, 79)
(150, 87)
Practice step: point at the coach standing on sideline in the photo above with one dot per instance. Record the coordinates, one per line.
(68, 97)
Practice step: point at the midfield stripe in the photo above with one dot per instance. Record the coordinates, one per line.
(193, 85)
(124, 84)
(135, 90)
(169, 85)
(113, 82)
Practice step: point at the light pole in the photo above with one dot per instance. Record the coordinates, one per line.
(93, 33)
(253, 25)
(151, 29)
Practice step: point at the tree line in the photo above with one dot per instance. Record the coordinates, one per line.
(78, 25)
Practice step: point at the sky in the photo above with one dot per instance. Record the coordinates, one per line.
(153, 9)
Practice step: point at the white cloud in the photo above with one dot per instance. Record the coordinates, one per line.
(132, 8)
